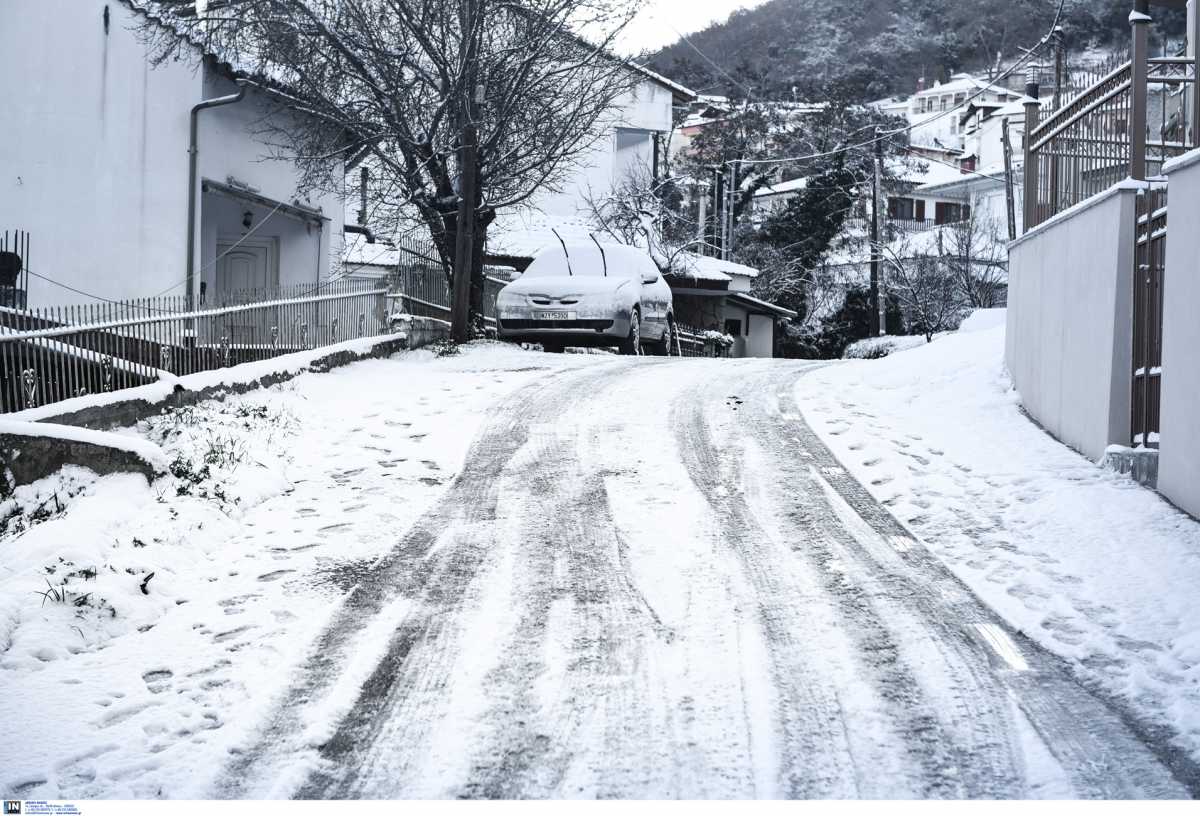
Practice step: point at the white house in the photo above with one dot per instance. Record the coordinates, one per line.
(632, 140)
(95, 152)
(932, 112)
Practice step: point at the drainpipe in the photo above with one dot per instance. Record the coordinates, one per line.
(361, 230)
(192, 152)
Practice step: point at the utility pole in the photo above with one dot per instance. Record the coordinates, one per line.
(464, 248)
(718, 216)
(731, 213)
(1010, 198)
(877, 297)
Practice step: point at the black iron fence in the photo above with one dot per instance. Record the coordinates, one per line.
(57, 352)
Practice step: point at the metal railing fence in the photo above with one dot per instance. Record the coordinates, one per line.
(54, 353)
(1092, 141)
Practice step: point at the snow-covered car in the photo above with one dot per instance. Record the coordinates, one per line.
(589, 295)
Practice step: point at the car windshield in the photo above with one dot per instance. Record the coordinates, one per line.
(585, 261)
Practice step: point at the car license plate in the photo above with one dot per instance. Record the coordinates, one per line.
(554, 315)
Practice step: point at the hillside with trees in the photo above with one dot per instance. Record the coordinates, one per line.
(880, 47)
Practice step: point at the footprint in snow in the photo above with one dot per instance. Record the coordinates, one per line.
(157, 680)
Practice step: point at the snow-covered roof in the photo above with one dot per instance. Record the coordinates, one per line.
(754, 304)
(923, 171)
(987, 176)
(684, 93)
(779, 188)
(941, 239)
(357, 252)
(964, 82)
(702, 267)
(525, 232)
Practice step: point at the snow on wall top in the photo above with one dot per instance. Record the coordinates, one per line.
(149, 452)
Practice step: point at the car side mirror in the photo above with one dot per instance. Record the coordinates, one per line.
(649, 277)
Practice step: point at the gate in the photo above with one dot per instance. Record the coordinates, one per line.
(1149, 263)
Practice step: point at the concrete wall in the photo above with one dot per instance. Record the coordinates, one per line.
(1069, 341)
(1179, 423)
(93, 151)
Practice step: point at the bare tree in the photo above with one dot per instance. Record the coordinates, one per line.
(401, 80)
(928, 292)
(641, 210)
(974, 253)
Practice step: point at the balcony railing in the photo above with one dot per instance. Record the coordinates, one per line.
(895, 227)
(1127, 124)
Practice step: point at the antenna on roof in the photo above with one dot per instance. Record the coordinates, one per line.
(564, 246)
(603, 257)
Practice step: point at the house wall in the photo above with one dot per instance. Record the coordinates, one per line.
(1069, 341)
(233, 144)
(96, 166)
(647, 108)
(761, 340)
(1179, 422)
(93, 150)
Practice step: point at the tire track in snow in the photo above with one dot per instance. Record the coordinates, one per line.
(817, 760)
(432, 563)
(1105, 752)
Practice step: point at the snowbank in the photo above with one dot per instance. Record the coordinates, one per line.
(873, 348)
(1085, 561)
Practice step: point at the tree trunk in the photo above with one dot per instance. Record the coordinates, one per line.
(477, 322)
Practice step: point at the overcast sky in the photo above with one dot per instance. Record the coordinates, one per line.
(662, 21)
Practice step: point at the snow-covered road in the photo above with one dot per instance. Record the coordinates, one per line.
(651, 579)
(514, 574)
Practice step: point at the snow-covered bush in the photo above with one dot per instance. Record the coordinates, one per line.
(721, 339)
(873, 348)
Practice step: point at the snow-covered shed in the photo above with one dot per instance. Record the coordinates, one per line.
(710, 293)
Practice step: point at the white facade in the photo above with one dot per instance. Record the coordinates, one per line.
(95, 160)
(1070, 321)
(625, 144)
(1179, 421)
(932, 110)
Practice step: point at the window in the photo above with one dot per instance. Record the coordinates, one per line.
(946, 212)
(733, 327)
(902, 208)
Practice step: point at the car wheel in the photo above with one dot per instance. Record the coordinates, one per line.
(633, 343)
(552, 347)
(665, 347)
